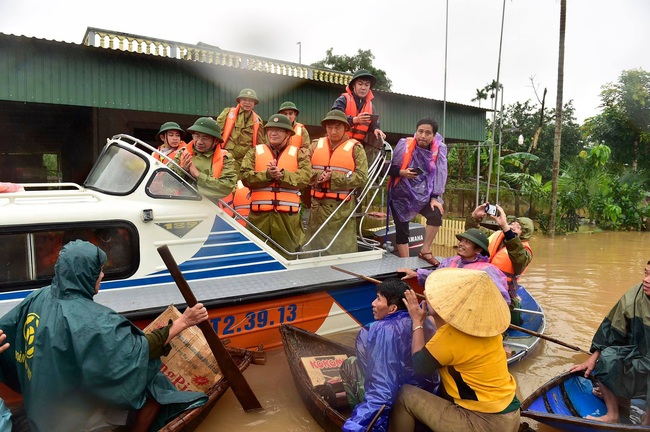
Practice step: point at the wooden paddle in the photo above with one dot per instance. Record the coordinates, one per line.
(367, 278)
(548, 338)
(230, 371)
(374, 419)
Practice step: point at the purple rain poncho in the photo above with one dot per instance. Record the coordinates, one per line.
(384, 350)
(409, 196)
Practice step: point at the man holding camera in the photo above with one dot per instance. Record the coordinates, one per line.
(418, 177)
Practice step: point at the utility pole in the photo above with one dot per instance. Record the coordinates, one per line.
(299, 52)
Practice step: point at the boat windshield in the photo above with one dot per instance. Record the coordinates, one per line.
(117, 172)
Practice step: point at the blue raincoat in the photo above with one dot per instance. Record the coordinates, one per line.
(70, 355)
(384, 350)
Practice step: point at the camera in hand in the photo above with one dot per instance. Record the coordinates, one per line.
(491, 210)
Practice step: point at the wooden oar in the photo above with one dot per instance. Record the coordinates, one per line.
(366, 278)
(548, 338)
(230, 371)
(532, 312)
(374, 419)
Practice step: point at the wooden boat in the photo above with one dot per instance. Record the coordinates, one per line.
(131, 203)
(564, 401)
(186, 421)
(519, 342)
(300, 343)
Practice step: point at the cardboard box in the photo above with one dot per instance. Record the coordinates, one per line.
(322, 369)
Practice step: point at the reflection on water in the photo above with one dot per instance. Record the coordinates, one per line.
(576, 279)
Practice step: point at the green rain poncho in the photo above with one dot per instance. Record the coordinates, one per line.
(70, 355)
(623, 340)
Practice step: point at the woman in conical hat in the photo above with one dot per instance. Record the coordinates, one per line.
(467, 350)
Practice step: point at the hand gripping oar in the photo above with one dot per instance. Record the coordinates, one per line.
(230, 371)
(548, 338)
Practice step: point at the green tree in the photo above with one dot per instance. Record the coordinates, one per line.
(624, 124)
(346, 63)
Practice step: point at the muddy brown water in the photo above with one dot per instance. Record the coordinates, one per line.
(575, 278)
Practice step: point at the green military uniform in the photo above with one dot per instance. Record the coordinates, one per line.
(283, 227)
(210, 187)
(241, 138)
(321, 209)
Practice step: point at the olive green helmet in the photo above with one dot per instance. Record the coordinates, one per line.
(280, 121)
(170, 126)
(208, 126)
(248, 93)
(363, 73)
(288, 105)
(336, 115)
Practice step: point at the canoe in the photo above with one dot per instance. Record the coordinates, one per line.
(522, 343)
(300, 343)
(564, 401)
(186, 421)
(131, 203)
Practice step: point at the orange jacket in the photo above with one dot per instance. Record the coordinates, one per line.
(241, 201)
(341, 160)
(171, 155)
(358, 131)
(500, 258)
(231, 119)
(296, 140)
(274, 197)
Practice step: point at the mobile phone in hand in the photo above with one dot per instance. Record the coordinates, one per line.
(491, 210)
(417, 170)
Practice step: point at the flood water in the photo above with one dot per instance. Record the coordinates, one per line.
(576, 279)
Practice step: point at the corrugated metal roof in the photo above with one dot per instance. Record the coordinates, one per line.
(36, 70)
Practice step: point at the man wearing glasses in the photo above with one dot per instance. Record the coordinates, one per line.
(211, 168)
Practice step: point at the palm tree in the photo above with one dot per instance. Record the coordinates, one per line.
(558, 121)
(481, 94)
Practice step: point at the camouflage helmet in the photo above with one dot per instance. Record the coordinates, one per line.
(288, 105)
(170, 126)
(280, 121)
(208, 126)
(363, 73)
(336, 115)
(248, 93)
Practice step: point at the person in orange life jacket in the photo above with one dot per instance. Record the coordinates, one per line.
(474, 254)
(301, 137)
(171, 135)
(339, 166)
(356, 103)
(418, 178)
(242, 127)
(209, 166)
(275, 173)
(509, 248)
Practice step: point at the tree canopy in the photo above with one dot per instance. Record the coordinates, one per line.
(346, 63)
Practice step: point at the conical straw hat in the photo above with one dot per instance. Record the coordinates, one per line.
(468, 300)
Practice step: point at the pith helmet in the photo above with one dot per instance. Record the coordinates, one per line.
(527, 227)
(468, 300)
(208, 126)
(248, 93)
(288, 105)
(336, 115)
(363, 73)
(477, 237)
(280, 121)
(170, 126)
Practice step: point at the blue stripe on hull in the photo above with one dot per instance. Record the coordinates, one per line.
(357, 301)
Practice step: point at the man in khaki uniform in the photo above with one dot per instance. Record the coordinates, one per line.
(210, 167)
(275, 173)
(242, 127)
(339, 167)
(301, 137)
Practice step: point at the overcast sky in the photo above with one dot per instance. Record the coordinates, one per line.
(603, 38)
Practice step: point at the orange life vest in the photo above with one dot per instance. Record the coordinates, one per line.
(358, 131)
(340, 160)
(296, 140)
(171, 155)
(217, 166)
(242, 201)
(499, 256)
(408, 155)
(231, 119)
(274, 197)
